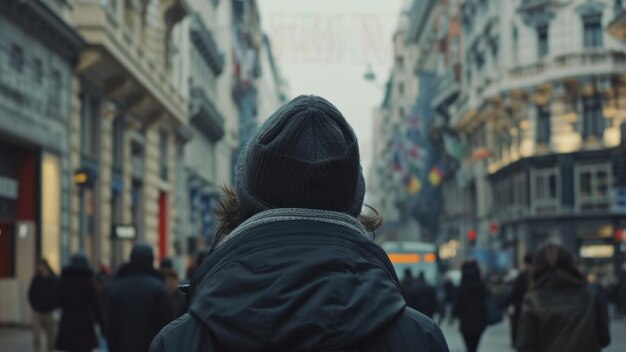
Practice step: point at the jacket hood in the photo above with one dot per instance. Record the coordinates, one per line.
(298, 285)
(136, 269)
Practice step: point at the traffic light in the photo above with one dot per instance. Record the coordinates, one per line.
(471, 237)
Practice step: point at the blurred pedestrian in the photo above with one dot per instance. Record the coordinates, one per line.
(406, 282)
(560, 312)
(80, 310)
(449, 294)
(621, 295)
(294, 266)
(422, 296)
(516, 296)
(137, 303)
(166, 268)
(469, 306)
(43, 296)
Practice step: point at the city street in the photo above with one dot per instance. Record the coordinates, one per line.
(496, 339)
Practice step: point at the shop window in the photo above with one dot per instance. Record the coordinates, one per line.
(543, 46)
(90, 125)
(592, 31)
(543, 124)
(545, 190)
(118, 143)
(593, 119)
(592, 186)
(163, 155)
(16, 59)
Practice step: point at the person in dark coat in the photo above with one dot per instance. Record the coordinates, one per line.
(166, 269)
(137, 303)
(449, 296)
(293, 266)
(43, 296)
(469, 306)
(79, 306)
(560, 312)
(422, 296)
(516, 296)
(406, 282)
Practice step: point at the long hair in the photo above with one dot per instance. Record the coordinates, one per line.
(470, 274)
(229, 213)
(555, 266)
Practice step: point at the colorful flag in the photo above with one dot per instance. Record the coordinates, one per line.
(435, 176)
(415, 185)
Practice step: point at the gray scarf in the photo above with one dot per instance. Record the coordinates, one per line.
(291, 214)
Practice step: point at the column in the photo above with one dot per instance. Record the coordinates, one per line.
(106, 163)
(72, 245)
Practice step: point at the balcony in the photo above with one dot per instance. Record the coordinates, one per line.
(588, 63)
(117, 60)
(205, 116)
(203, 39)
(448, 88)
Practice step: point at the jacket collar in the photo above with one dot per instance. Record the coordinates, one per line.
(298, 214)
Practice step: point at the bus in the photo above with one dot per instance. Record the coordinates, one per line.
(416, 256)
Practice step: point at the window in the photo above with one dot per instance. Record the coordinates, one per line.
(480, 61)
(543, 124)
(164, 155)
(546, 190)
(400, 88)
(542, 41)
(400, 61)
(89, 125)
(515, 36)
(118, 142)
(592, 31)
(37, 71)
(592, 186)
(593, 119)
(16, 59)
(401, 112)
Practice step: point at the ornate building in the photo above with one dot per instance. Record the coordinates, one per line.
(540, 112)
(38, 53)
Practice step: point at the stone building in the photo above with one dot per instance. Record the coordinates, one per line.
(127, 113)
(540, 113)
(39, 49)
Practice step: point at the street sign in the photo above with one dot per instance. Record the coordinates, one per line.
(124, 232)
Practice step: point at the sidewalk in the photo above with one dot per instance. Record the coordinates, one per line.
(496, 338)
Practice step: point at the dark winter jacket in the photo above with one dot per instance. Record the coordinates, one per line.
(137, 306)
(43, 293)
(562, 318)
(422, 297)
(516, 296)
(469, 308)
(298, 285)
(80, 310)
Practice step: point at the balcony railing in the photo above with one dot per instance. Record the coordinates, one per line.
(205, 116)
(203, 39)
(591, 62)
(447, 88)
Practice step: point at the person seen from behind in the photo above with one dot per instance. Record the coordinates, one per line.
(560, 312)
(469, 305)
(406, 282)
(293, 265)
(137, 303)
(516, 296)
(43, 296)
(422, 296)
(80, 309)
(166, 268)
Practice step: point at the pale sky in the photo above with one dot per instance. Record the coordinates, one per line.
(323, 47)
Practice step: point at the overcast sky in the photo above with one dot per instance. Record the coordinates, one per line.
(323, 47)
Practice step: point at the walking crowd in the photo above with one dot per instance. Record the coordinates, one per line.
(293, 267)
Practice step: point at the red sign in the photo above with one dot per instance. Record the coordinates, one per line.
(494, 228)
(472, 235)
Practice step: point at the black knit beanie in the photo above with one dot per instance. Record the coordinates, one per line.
(305, 155)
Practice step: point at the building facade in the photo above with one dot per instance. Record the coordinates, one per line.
(38, 52)
(127, 114)
(540, 115)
